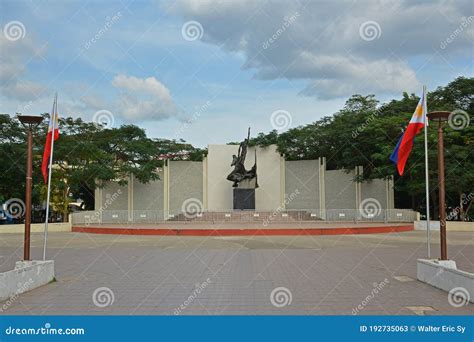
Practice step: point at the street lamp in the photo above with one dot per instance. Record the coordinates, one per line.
(29, 122)
(440, 117)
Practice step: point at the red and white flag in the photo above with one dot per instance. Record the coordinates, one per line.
(53, 126)
(405, 144)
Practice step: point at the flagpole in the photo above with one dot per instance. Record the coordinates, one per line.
(427, 186)
(53, 118)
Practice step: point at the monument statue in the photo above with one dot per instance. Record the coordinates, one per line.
(240, 173)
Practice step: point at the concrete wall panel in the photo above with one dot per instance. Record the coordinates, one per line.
(148, 196)
(114, 197)
(376, 189)
(185, 183)
(302, 179)
(340, 190)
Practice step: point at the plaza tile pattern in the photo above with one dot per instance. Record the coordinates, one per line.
(156, 275)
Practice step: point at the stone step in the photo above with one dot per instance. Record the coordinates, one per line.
(245, 216)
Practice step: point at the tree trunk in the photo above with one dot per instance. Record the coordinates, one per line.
(467, 209)
(461, 215)
(87, 195)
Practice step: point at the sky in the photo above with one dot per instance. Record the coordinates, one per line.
(204, 71)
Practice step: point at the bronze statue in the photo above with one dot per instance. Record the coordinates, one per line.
(240, 173)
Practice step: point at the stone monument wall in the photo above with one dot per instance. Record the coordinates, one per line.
(185, 185)
(148, 197)
(340, 190)
(302, 180)
(293, 185)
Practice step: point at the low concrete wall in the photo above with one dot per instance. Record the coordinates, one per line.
(26, 276)
(451, 226)
(421, 225)
(36, 227)
(445, 276)
(459, 226)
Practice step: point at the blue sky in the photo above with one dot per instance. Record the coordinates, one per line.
(134, 61)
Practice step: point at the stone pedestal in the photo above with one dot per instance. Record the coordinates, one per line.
(444, 275)
(26, 276)
(244, 199)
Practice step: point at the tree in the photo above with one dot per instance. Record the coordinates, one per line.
(12, 158)
(85, 156)
(59, 197)
(364, 133)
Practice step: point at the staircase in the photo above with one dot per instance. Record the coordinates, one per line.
(246, 216)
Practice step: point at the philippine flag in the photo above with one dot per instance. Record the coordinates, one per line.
(53, 124)
(403, 149)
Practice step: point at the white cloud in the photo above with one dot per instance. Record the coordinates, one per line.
(14, 59)
(342, 75)
(144, 98)
(93, 102)
(136, 100)
(323, 44)
(24, 90)
(148, 85)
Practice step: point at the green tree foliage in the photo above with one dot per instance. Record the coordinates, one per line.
(365, 133)
(362, 133)
(13, 158)
(85, 156)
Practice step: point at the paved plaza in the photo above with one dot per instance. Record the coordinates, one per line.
(283, 275)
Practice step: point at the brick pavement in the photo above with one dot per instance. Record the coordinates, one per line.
(236, 275)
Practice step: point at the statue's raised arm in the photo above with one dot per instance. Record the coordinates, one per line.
(238, 162)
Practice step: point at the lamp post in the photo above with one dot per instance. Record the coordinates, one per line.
(29, 122)
(440, 117)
